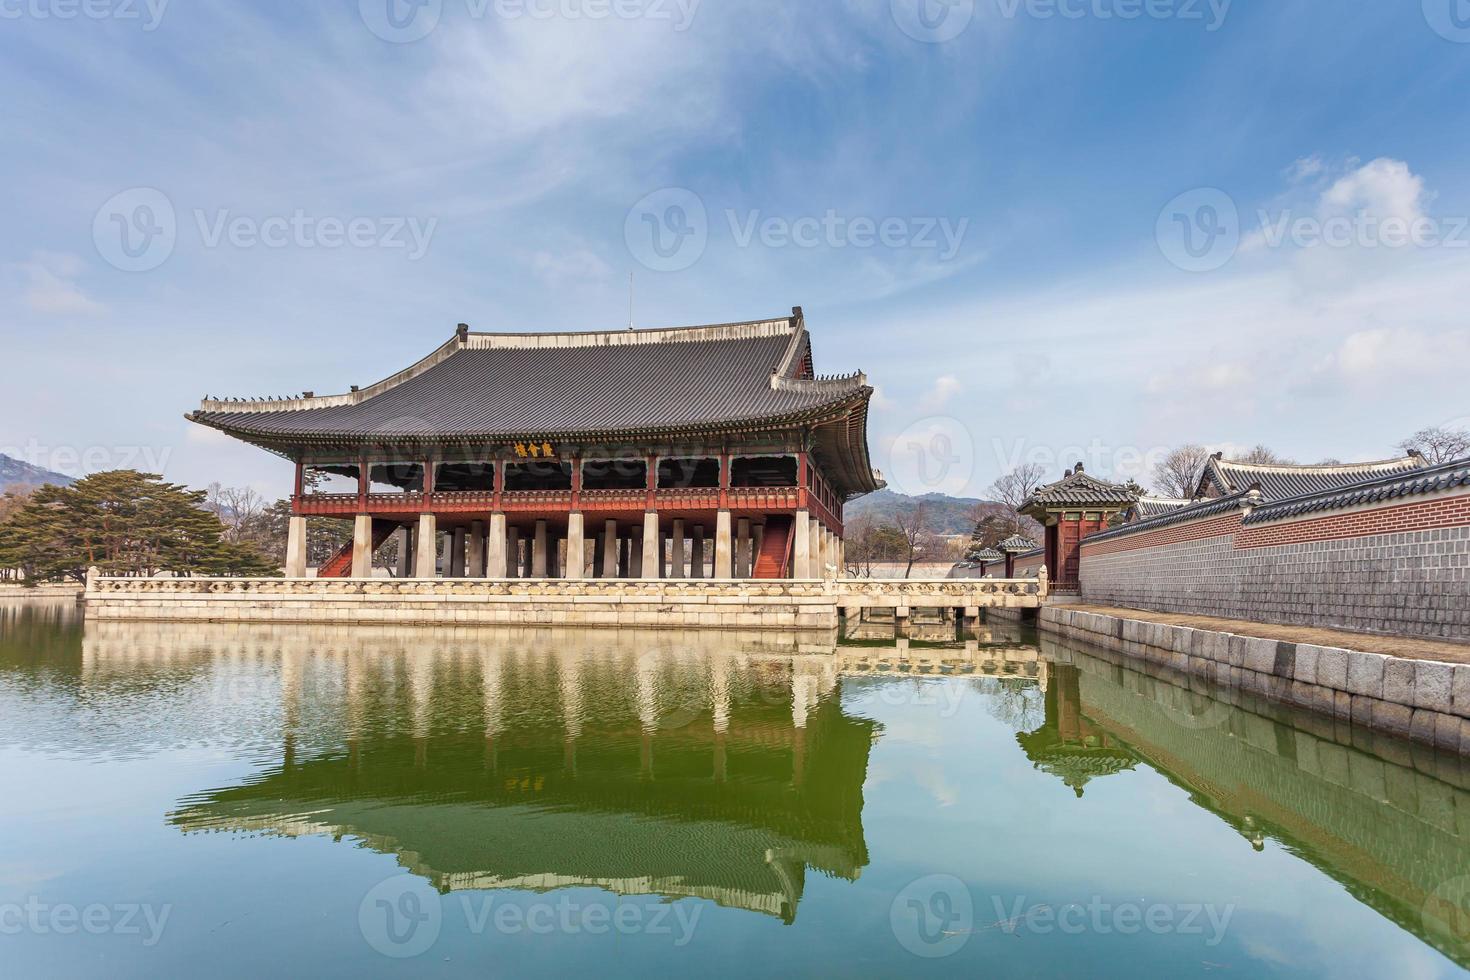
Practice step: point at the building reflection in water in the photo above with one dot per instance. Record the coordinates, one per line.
(723, 766)
(640, 763)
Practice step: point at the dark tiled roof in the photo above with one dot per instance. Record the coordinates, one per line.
(499, 385)
(1198, 510)
(1445, 476)
(1280, 481)
(1148, 507)
(1017, 543)
(1078, 490)
(985, 554)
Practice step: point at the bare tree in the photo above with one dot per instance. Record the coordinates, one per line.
(239, 509)
(913, 525)
(1438, 444)
(1013, 489)
(1178, 474)
(1262, 455)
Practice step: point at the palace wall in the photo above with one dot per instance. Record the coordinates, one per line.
(1390, 567)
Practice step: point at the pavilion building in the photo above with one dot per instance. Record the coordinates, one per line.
(695, 452)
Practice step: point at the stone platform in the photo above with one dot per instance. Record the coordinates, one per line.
(661, 604)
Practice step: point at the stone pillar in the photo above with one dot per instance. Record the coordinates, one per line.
(405, 551)
(539, 563)
(456, 553)
(625, 556)
(679, 567)
(757, 538)
(724, 560)
(528, 557)
(296, 548)
(815, 569)
(801, 556)
(635, 555)
(553, 555)
(495, 548)
(610, 550)
(742, 548)
(576, 546)
(696, 552)
(513, 553)
(651, 559)
(428, 547)
(477, 550)
(362, 546)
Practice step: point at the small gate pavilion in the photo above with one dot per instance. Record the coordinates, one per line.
(694, 452)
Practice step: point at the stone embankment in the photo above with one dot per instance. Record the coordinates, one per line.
(1424, 700)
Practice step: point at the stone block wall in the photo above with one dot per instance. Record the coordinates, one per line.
(1402, 569)
(1423, 700)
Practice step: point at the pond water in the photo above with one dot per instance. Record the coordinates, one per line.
(330, 802)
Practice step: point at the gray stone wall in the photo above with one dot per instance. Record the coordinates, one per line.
(1415, 583)
(1423, 700)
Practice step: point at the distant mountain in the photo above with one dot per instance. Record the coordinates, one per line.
(947, 515)
(13, 473)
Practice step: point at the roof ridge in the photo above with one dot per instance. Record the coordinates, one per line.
(737, 330)
(1417, 461)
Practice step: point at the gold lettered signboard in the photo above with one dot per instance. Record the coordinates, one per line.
(534, 450)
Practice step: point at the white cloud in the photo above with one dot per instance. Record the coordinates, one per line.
(50, 286)
(939, 394)
(1384, 189)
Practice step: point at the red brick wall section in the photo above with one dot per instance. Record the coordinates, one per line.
(1214, 527)
(1424, 515)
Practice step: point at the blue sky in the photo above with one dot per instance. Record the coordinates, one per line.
(981, 203)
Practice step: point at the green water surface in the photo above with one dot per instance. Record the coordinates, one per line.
(246, 801)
